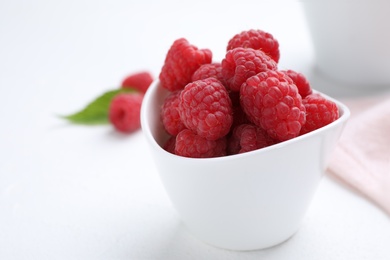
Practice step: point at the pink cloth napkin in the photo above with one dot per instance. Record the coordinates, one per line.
(362, 157)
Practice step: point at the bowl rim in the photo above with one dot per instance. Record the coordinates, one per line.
(344, 114)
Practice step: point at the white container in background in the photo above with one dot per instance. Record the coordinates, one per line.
(351, 40)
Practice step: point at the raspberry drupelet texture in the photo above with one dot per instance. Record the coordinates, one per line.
(189, 144)
(206, 109)
(271, 101)
(248, 137)
(258, 40)
(169, 113)
(181, 61)
(241, 63)
(300, 81)
(319, 112)
(139, 81)
(209, 70)
(124, 112)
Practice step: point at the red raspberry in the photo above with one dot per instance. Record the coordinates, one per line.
(300, 81)
(170, 116)
(258, 40)
(271, 100)
(209, 70)
(189, 144)
(248, 137)
(182, 60)
(139, 81)
(170, 145)
(124, 112)
(319, 112)
(241, 63)
(206, 109)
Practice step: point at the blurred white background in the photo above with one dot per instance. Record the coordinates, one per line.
(81, 192)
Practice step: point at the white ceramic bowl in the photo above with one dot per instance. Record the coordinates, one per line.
(247, 201)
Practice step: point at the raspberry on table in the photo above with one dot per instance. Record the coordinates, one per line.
(209, 70)
(189, 144)
(181, 61)
(248, 137)
(169, 113)
(300, 81)
(271, 100)
(258, 40)
(139, 81)
(124, 112)
(320, 112)
(206, 109)
(241, 63)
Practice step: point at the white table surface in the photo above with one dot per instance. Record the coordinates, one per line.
(78, 192)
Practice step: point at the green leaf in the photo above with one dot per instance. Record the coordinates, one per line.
(96, 112)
